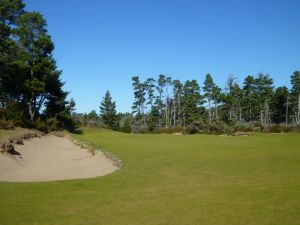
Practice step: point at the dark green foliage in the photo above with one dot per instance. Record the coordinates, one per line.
(40, 124)
(295, 94)
(280, 105)
(108, 111)
(30, 88)
(254, 106)
(125, 124)
(191, 100)
(5, 124)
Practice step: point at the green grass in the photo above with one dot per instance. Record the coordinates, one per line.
(5, 133)
(169, 179)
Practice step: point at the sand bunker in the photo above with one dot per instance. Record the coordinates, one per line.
(52, 158)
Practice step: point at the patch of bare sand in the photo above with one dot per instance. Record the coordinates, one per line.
(52, 158)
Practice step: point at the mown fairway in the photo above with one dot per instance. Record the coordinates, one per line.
(169, 179)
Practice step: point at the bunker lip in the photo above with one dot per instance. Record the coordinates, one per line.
(52, 158)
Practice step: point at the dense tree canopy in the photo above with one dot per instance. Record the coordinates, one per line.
(257, 101)
(30, 84)
(108, 111)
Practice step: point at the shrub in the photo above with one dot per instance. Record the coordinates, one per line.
(5, 124)
(7, 147)
(139, 128)
(178, 129)
(218, 128)
(52, 124)
(278, 128)
(273, 129)
(126, 127)
(165, 130)
(239, 127)
(41, 125)
(191, 129)
(258, 126)
(256, 129)
(295, 128)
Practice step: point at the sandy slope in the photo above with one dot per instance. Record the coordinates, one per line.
(52, 158)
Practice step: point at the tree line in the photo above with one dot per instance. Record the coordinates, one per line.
(167, 103)
(31, 91)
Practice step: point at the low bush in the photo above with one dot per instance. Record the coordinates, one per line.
(52, 124)
(256, 129)
(258, 126)
(41, 125)
(6, 124)
(240, 127)
(171, 130)
(295, 128)
(126, 126)
(192, 129)
(7, 147)
(278, 128)
(218, 128)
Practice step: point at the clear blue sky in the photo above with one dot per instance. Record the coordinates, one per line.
(101, 44)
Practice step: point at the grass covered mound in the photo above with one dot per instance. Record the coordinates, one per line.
(171, 179)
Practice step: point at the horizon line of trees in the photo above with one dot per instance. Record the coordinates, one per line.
(167, 103)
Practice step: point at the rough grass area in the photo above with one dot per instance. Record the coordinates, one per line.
(171, 179)
(6, 133)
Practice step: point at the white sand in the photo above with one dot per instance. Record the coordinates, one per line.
(52, 158)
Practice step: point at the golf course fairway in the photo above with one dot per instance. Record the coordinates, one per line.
(170, 179)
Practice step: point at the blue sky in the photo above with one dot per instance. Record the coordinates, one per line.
(101, 44)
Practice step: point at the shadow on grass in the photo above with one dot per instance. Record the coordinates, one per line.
(76, 131)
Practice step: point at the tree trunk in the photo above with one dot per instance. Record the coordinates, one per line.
(179, 113)
(32, 110)
(166, 111)
(287, 111)
(209, 112)
(298, 113)
(216, 110)
(174, 115)
(240, 112)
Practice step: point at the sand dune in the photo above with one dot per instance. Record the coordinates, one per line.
(52, 158)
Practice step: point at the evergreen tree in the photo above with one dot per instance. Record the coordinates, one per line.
(160, 104)
(177, 92)
(295, 81)
(192, 102)
(264, 90)
(139, 104)
(108, 111)
(280, 105)
(149, 87)
(217, 97)
(208, 89)
(30, 81)
(249, 101)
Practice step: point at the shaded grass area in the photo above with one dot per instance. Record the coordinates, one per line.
(5, 133)
(169, 179)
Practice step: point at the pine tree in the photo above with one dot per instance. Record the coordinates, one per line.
(264, 90)
(30, 80)
(108, 111)
(295, 81)
(208, 89)
(192, 102)
(280, 105)
(249, 101)
(139, 104)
